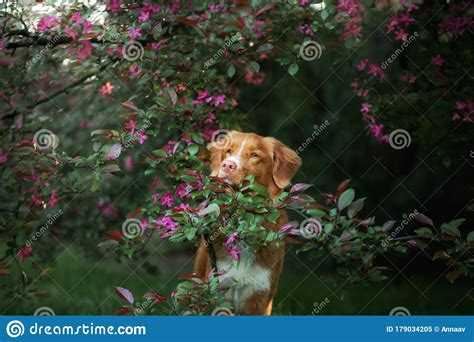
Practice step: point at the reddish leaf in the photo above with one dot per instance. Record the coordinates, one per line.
(156, 297)
(342, 187)
(115, 235)
(129, 105)
(299, 187)
(187, 21)
(122, 311)
(125, 294)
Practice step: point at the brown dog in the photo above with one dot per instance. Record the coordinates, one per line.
(273, 164)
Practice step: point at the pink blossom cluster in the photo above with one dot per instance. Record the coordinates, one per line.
(203, 96)
(79, 26)
(306, 29)
(464, 111)
(399, 22)
(354, 8)
(457, 26)
(47, 23)
(372, 69)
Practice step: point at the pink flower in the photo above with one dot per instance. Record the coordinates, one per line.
(374, 69)
(167, 200)
(306, 29)
(135, 69)
(219, 100)
(71, 33)
(106, 89)
(182, 191)
(85, 51)
(363, 63)
(3, 156)
(233, 250)
(438, 60)
(143, 137)
(409, 78)
(113, 6)
(171, 147)
(87, 27)
(131, 125)
(392, 24)
(201, 96)
(24, 252)
(366, 107)
(460, 105)
(108, 209)
(46, 23)
(135, 32)
(3, 46)
(155, 197)
(128, 163)
(77, 18)
(456, 117)
(169, 223)
(303, 2)
(53, 199)
(401, 35)
(144, 16)
(35, 200)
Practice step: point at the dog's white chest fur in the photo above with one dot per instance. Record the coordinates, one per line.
(249, 278)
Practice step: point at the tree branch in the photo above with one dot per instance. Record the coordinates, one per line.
(47, 98)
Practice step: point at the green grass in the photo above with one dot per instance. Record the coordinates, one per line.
(81, 286)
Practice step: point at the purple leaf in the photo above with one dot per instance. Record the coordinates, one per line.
(125, 294)
(288, 227)
(114, 152)
(299, 187)
(423, 219)
(345, 236)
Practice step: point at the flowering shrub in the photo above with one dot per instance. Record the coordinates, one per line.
(156, 83)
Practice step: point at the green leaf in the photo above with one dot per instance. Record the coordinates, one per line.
(450, 230)
(324, 14)
(193, 149)
(355, 207)
(293, 69)
(424, 231)
(345, 199)
(190, 233)
(231, 71)
(470, 237)
(273, 216)
(315, 212)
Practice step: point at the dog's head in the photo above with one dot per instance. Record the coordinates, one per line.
(237, 155)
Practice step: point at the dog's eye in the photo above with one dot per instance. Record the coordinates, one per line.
(254, 155)
(229, 151)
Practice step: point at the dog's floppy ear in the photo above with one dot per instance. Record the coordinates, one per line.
(285, 163)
